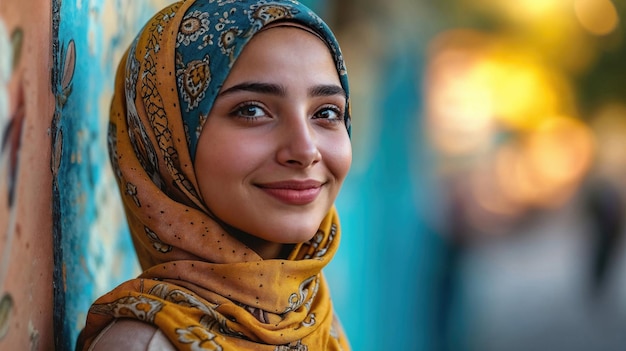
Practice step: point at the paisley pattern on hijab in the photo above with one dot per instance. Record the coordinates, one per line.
(204, 289)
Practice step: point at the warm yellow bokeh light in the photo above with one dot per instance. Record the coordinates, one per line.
(524, 10)
(512, 115)
(472, 91)
(459, 111)
(502, 110)
(544, 168)
(522, 92)
(535, 8)
(560, 150)
(599, 17)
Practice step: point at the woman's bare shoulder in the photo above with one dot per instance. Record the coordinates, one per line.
(131, 335)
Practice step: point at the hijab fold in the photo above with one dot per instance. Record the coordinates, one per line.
(204, 289)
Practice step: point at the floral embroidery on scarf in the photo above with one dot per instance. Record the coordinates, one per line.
(259, 314)
(334, 333)
(199, 338)
(316, 288)
(141, 308)
(131, 190)
(316, 242)
(145, 152)
(112, 146)
(223, 20)
(157, 244)
(262, 14)
(297, 299)
(294, 346)
(211, 320)
(179, 297)
(187, 135)
(206, 41)
(193, 80)
(223, 2)
(227, 42)
(153, 103)
(201, 122)
(194, 24)
(215, 321)
(130, 81)
(309, 321)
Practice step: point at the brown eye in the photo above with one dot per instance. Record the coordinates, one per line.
(329, 113)
(249, 111)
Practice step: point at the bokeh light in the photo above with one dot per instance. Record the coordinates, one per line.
(599, 17)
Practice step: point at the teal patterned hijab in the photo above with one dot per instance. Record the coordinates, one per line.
(212, 35)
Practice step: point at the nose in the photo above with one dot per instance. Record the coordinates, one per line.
(298, 146)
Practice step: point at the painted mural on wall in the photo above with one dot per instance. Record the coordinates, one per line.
(25, 214)
(10, 124)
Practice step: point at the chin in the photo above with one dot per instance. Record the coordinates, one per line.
(290, 234)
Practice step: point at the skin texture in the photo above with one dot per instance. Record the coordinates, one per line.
(274, 150)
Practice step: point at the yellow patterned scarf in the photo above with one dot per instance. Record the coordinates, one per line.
(201, 287)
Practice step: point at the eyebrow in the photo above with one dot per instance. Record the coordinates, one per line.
(280, 90)
(327, 90)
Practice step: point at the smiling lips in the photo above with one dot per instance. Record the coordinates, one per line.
(293, 192)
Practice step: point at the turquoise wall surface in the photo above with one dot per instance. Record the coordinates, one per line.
(93, 250)
(385, 276)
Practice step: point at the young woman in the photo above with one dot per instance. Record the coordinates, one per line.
(229, 137)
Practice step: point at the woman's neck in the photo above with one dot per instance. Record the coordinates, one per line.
(266, 249)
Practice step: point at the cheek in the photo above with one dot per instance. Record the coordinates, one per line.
(338, 156)
(233, 156)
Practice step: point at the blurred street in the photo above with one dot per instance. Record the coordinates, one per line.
(534, 289)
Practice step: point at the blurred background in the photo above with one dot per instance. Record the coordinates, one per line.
(484, 210)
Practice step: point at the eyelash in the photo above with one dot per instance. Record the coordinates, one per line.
(333, 108)
(237, 112)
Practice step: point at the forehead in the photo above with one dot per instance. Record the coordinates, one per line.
(280, 51)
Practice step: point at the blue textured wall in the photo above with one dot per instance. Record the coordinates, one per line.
(93, 251)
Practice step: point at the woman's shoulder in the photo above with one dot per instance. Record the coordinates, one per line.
(131, 335)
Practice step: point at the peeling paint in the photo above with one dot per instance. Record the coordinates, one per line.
(6, 307)
(33, 336)
(9, 125)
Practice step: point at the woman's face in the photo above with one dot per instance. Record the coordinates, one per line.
(274, 150)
